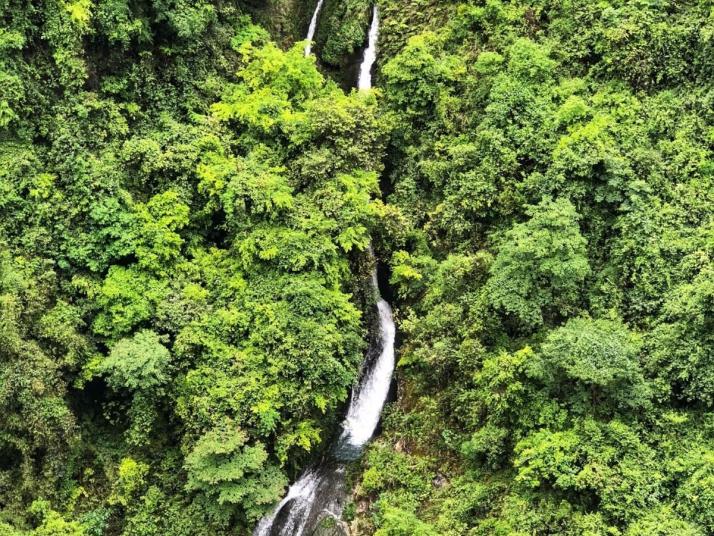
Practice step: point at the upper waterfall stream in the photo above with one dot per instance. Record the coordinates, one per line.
(364, 82)
(312, 28)
(320, 491)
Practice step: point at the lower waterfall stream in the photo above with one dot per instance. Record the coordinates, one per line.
(320, 491)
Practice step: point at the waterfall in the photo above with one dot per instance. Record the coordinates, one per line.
(300, 495)
(364, 82)
(366, 404)
(312, 28)
(320, 491)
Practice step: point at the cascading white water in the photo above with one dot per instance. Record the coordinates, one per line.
(323, 484)
(291, 516)
(319, 491)
(364, 82)
(301, 493)
(312, 28)
(365, 408)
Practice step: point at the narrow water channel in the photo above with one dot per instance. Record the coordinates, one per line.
(320, 491)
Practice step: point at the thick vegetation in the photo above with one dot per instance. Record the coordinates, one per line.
(183, 207)
(552, 166)
(184, 210)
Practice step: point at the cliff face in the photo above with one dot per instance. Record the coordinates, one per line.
(286, 20)
(340, 37)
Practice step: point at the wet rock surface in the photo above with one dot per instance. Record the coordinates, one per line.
(331, 527)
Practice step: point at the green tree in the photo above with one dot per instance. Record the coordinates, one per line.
(139, 363)
(695, 497)
(682, 344)
(228, 469)
(593, 364)
(540, 266)
(396, 522)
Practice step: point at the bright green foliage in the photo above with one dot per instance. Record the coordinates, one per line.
(605, 463)
(185, 208)
(185, 205)
(158, 243)
(540, 266)
(696, 494)
(594, 364)
(126, 299)
(225, 468)
(396, 522)
(548, 456)
(663, 522)
(51, 523)
(139, 363)
(8, 530)
(683, 343)
(550, 168)
(130, 479)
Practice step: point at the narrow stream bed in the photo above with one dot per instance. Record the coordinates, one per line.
(320, 491)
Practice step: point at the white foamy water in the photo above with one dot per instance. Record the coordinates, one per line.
(366, 407)
(318, 491)
(312, 28)
(301, 494)
(364, 82)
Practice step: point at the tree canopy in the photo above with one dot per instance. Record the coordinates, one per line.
(187, 203)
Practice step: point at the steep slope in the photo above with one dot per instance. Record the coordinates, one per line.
(551, 171)
(186, 206)
(185, 210)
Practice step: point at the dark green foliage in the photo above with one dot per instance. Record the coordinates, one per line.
(342, 30)
(183, 204)
(37, 428)
(551, 169)
(184, 210)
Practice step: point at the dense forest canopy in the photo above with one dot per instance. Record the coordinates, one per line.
(186, 203)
